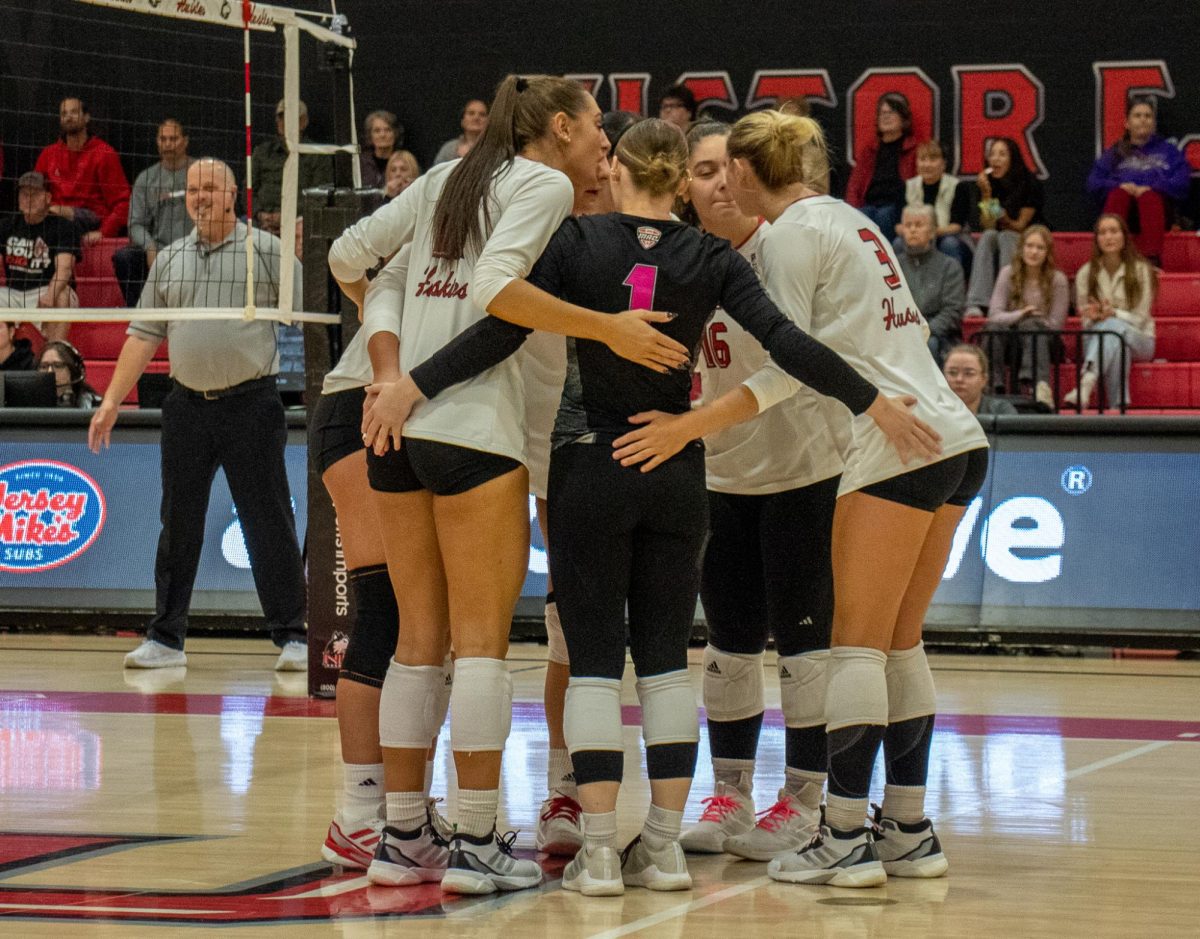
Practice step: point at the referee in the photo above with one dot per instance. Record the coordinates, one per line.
(223, 411)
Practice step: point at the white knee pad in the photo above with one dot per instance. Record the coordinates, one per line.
(442, 705)
(802, 683)
(481, 706)
(909, 685)
(669, 713)
(856, 691)
(408, 705)
(555, 640)
(733, 684)
(592, 716)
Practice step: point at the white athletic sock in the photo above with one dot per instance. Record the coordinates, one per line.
(477, 811)
(428, 777)
(406, 810)
(362, 792)
(661, 828)
(845, 814)
(736, 773)
(805, 786)
(599, 830)
(904, 803)
(560, 775)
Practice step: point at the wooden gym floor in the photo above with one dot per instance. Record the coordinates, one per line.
(150, 803)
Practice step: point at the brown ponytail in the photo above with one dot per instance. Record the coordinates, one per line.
(520, 114)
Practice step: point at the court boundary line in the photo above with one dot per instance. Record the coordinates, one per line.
(683, 909)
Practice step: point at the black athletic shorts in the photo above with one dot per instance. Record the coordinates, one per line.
(954, 481)
(335, 427)
(443, 468)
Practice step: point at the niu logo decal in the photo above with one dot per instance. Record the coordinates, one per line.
(335, 651)
(50, 513)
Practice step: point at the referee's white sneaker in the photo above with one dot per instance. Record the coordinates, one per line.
(834, 857)
(151, 654)
(727, 813)
(293, 657)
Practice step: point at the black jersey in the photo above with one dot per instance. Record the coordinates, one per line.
(612, 263)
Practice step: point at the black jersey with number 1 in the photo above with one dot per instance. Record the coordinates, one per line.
(612, 263)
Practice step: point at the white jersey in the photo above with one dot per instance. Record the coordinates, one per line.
(528, 201)
(787, 446)
(383, 310)
(829, 267)
(543, 361)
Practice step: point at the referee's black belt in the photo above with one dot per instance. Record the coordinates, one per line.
(254, 384)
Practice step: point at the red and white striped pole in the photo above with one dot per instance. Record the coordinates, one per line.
(247, 14)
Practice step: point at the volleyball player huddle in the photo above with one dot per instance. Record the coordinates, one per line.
(838, 465)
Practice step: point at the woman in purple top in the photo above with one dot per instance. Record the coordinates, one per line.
(1144, 171)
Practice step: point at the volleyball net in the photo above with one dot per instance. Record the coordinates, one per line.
(230, 77)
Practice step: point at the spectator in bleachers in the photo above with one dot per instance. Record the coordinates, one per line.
(402, 169)
(70, 375)
(1031, 293)
(966, 372)
(1142, 174)
(87, 184)
(935, 187)
(474, 122)
(677, 105)
(40, 250)
(1113, 294)
(382, 134)
(157, 212)
(883, 163)
(935, 280)
(269, 157)
(1009, 200)
(16, 354)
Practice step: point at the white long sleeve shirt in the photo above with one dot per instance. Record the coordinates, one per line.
(787, 446)
(828, 267)
(528, 201)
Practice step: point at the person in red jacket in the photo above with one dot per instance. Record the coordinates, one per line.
(883, 163)
(87, 184)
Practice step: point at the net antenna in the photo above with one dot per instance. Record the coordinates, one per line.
(246, 16)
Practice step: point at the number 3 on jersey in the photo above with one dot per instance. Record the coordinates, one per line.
(641, 281)
(892, 277)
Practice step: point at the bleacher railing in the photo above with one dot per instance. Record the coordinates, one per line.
(1006, 347)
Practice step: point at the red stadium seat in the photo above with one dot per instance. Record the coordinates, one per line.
(1177, 338)
(1178, 295)
(100, 373)
(1181, 252)
(1163, 384)
(1072, 249)
(102, 292)
(97, 258)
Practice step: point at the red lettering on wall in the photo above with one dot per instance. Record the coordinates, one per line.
(769, 86)
(1190, 145)
(712, 89)
(996, 101)
(863, 97)
(590, 80)
(1115, 83)
(629, 91)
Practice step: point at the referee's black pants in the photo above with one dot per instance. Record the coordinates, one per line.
(243, 434)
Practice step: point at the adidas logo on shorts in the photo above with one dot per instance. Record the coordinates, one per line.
(713, 668)
(807, 621)
(783, 672)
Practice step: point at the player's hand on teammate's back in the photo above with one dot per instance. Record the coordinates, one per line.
(387, 406)
(632, 336)
(659, 438)
(910, 435)
(100, 428)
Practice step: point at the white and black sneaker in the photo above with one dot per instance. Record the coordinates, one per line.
(406, 858)
(834, 857)
(908, 849)
(594, 873)
(486, 864)
(664, 869)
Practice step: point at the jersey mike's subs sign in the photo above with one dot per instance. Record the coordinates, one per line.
(50, 513)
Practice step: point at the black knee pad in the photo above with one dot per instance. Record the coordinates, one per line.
(376, 625)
